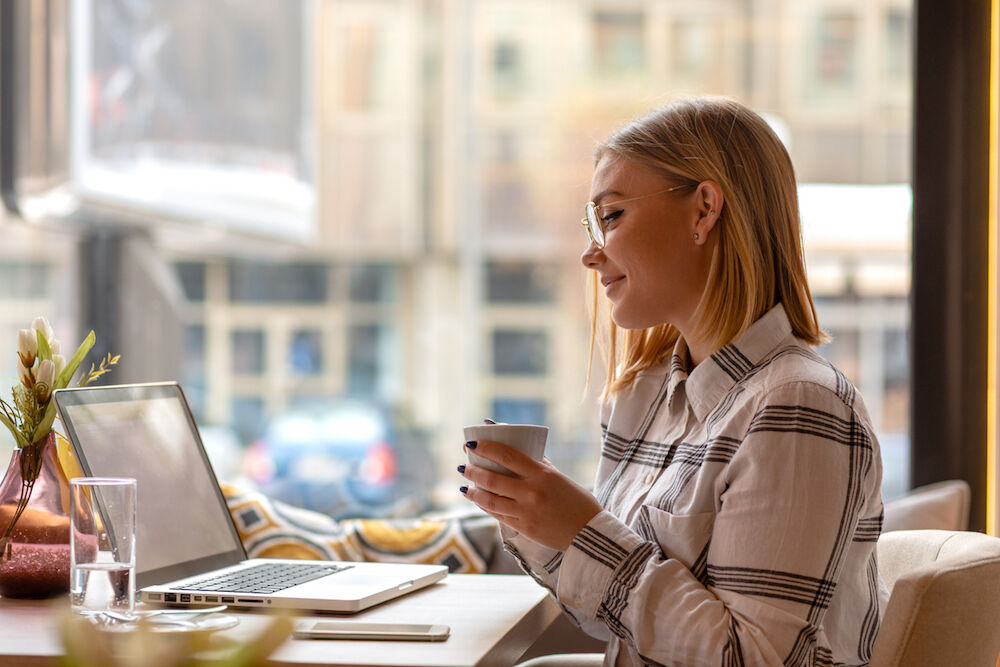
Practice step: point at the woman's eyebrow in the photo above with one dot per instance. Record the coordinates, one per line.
(604, 193)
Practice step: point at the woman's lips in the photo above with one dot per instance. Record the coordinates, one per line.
(609, 283)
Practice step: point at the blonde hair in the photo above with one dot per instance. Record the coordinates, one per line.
(758, 259)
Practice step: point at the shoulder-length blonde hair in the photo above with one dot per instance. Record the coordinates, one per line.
(758, 259)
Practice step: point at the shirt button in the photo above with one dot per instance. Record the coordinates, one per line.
(649, 478)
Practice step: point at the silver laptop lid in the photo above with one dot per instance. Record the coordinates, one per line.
(146, 431)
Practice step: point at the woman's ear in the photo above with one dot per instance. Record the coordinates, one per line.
(709, 202)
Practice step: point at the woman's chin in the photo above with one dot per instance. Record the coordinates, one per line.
(626, 320)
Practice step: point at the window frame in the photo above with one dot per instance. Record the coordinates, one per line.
(950, 259)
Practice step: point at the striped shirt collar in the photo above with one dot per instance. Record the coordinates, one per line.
(712, 379)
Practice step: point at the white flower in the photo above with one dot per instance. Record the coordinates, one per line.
(44, 379)
(24, 374)
(27, 347)
(54, 347)
(42, 324)
(60, 362)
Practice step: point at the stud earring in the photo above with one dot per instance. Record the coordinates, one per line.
(696, 236)
(712, 212)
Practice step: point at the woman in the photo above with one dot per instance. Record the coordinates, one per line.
(737, 503)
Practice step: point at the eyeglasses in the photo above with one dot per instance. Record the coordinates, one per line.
(594, 223)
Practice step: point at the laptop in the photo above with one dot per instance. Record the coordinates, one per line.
(188, 552)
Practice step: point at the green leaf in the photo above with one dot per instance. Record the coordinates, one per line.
(45, 425)
(21, 442)
(67, 373)
(44, 351)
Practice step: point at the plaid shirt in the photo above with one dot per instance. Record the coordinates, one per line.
(742, 508)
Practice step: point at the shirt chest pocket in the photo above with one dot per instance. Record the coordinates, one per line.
(683, 537)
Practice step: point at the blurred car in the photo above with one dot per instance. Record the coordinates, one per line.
(346, 459)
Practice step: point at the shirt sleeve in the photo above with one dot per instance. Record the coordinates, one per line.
(543, 564)
(788, 508)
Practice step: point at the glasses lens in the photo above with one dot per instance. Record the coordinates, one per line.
(594, 225)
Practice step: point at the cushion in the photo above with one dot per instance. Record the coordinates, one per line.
(940, 506)
(945, 599)
(272, 529)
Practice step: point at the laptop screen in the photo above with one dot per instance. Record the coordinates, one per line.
(146, 431)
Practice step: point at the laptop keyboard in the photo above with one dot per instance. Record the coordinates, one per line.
(265, 578)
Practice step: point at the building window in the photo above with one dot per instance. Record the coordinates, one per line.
(248, 417)
(508, 70)
(192, 278)
(618, 43)
(836, 54)
(692, 47)
(519, 282)
(28, 280)
(193, 368)
(363, 348)
(258, 282)
(249, 354)
(518, 352)
(898, 45)
(519, 410)
(305, 352)
(372, 283)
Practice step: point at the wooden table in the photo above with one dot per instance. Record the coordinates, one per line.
(493, 618)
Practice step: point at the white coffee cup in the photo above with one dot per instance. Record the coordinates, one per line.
(526, 438)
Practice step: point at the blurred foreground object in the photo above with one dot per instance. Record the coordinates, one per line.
(143, 646)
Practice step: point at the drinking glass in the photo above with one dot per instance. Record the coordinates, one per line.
(102, 545)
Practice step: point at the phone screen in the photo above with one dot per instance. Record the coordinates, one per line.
(372, 631)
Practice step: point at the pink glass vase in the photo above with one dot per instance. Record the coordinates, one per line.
(34, 552)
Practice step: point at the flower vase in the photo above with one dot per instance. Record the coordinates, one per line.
(34, 552)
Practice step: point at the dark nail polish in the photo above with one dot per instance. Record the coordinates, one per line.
(461, 468)
(463, 489)
(471, 444)
(488, 421)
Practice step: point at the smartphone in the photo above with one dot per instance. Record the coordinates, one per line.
(372, 631)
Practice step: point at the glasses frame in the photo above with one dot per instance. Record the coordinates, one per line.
(595, 225)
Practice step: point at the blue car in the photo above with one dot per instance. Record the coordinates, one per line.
(347, 459)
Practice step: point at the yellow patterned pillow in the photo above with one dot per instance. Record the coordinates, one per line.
(272, 529)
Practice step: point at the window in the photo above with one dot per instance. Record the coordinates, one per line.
(898, 27)
(519, 411)
(507, 67)
(248, 415)
(520, 352)
(192, 277)
(372, 283)
(293, 283)
(165, 102)
(381, 200)
(618, 42)
(369, 359)
(518, 282)
(28, 280)
(193, 370)
(249, 353)
(305, 352)
(836, 50)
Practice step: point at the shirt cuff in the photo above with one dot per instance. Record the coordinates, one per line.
(604, 553)
(540, 559)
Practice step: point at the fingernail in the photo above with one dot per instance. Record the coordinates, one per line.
(463, 489)
(461, 468)
(488, 421)
(471, 444)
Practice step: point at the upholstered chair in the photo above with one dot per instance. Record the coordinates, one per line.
(944, 607)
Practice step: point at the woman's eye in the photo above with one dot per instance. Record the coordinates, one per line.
(611, 217)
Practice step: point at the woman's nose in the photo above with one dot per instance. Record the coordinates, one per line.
(591, 256)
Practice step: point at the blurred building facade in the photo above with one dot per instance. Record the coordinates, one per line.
(453, 151)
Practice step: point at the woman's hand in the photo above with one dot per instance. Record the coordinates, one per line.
(539, 502)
